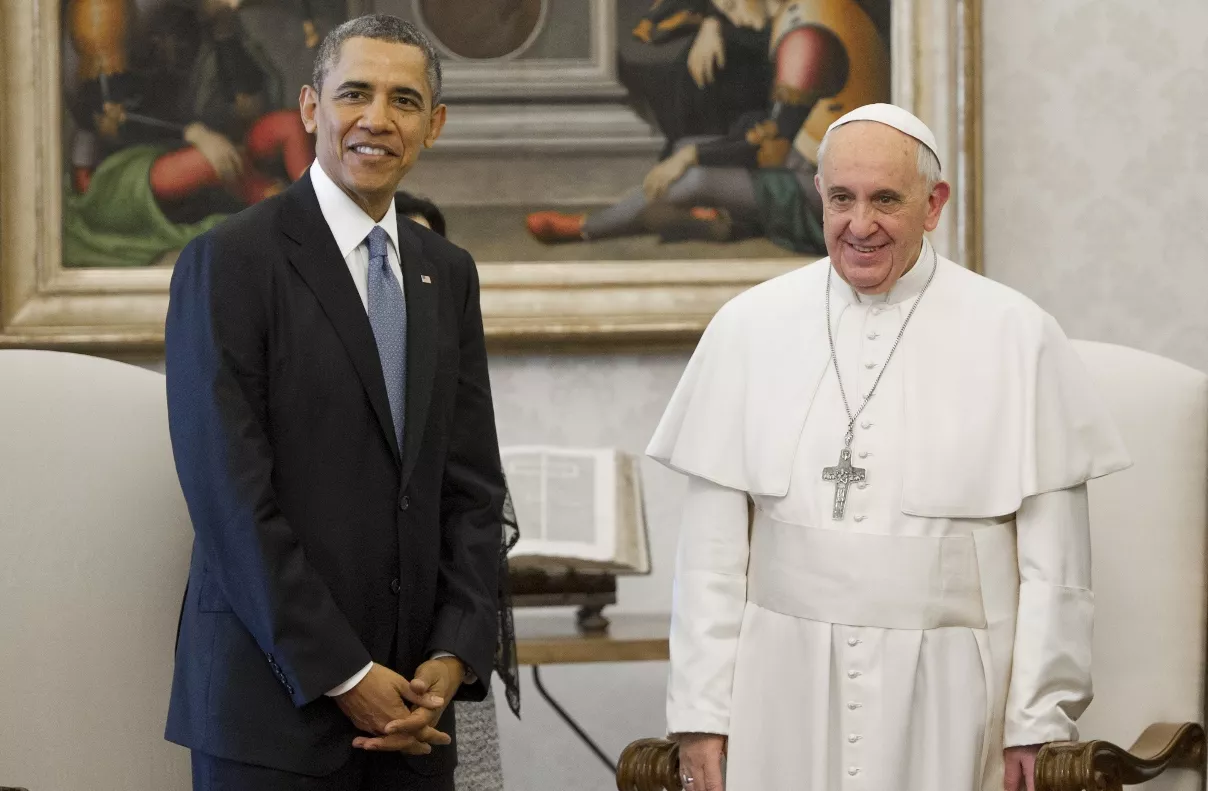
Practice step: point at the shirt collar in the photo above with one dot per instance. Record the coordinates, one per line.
(348, 222)
(909, 285)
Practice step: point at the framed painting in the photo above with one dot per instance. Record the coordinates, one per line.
(618, 168)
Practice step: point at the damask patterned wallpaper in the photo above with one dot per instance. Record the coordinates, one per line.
(1096, 166)
(1096, 197)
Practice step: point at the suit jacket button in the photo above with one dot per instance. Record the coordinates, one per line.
(404, 503)
(395, 586)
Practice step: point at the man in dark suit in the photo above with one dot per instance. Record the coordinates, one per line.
(334, 436)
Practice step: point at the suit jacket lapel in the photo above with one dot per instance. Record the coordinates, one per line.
(317, 259)
(422, 289)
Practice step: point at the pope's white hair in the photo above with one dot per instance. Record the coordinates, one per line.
(928, 162)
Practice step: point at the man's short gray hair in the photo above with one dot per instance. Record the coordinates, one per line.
(928, 162)
(929, 167)
(380, 27)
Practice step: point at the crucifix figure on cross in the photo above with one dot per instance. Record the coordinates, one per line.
(844, 475)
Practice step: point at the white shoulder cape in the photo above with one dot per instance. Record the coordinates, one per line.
(998, 405)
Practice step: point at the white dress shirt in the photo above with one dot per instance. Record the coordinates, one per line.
(350, 226)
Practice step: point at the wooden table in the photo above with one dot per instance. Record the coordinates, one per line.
(551, 639)
(554, 640)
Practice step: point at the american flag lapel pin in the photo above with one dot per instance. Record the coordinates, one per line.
(425, 279)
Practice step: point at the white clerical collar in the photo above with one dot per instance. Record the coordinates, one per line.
(908, 286)
(348, 222)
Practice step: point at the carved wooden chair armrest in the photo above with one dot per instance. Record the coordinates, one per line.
(1102, 766)
(653, 764)
(649, 765)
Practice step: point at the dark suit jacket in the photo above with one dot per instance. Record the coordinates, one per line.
(319, 544)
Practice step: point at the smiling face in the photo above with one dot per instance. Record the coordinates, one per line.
(876, 205)
(371, 117)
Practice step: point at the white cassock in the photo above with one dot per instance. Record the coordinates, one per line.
(880, 650)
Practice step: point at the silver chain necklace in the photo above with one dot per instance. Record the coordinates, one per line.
(844, 474)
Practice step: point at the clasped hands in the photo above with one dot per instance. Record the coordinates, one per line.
(401, 715)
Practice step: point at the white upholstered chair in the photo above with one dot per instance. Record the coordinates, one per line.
(1149, 527)
(94, 552)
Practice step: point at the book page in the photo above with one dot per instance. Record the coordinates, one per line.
(576, 509)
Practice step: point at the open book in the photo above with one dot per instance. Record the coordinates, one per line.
(578, 509)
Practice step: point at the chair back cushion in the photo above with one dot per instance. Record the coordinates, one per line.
(94, 551)
(1148, 526)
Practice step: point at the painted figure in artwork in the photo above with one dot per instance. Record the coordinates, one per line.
(180, 118)
(699, 68)
(828, 57)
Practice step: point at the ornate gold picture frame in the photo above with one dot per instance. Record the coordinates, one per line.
(935, 73)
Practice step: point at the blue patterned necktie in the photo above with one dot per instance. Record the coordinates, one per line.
(388, 317)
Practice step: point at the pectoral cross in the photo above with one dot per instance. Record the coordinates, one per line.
(844, 475)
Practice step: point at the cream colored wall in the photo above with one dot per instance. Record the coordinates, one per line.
(1096, 141)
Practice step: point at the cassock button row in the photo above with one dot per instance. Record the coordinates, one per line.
(867, 424)
(853, 738)
(859, 517)
(395, 586)
(404, 503)
(872, 336)
(853, 674)
(870, 366)
(853, 770)
(862, 485)
(864, 454)
(853, 706)
(853, 641)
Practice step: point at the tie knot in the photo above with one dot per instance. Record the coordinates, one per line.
(377, 242)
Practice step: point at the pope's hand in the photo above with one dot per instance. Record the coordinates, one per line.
(708, 52)
(667, 172)
(700, 761)
(1021, 768)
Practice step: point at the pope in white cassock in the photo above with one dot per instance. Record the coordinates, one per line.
(910, 606)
